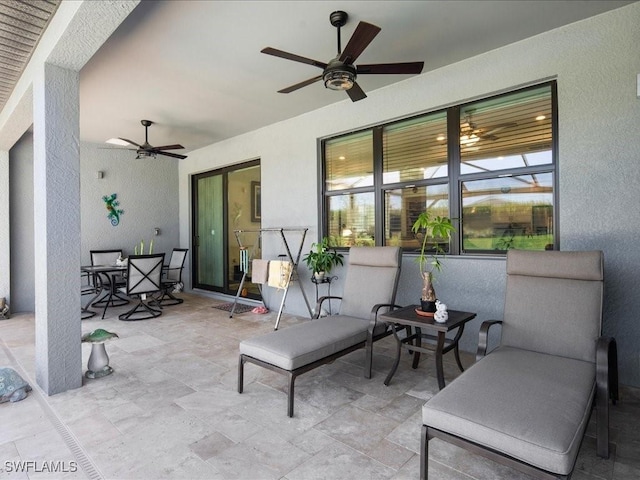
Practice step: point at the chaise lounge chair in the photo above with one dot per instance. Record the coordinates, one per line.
(370, 286)
(528, 402)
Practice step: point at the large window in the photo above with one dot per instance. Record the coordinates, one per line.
(490, 165)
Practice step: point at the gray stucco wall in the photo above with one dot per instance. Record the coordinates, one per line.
(147, 190)
(595, 62)
(22, 298)
(148, 193)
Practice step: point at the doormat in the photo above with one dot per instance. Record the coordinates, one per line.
(240, 307)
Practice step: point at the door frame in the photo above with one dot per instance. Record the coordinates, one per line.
(224, 171)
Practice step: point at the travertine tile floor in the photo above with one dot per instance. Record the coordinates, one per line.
(171, 410)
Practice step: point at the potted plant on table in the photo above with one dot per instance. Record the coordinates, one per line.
(322, 258)
(436, 228)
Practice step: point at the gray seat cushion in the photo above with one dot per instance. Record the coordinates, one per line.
(535, 406)
(300, 345)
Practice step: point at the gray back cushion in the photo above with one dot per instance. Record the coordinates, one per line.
(554, 302)
(372, 278)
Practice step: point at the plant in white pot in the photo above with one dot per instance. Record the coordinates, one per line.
(322, 258)
(439, 230)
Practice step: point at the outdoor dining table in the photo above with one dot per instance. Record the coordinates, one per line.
(107, 292)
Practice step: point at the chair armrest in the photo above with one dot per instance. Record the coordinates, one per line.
(378, 306)
(320, 302)
(484, 337)
(606, 387)
(373, 318)
(607, 369)
(167, 268)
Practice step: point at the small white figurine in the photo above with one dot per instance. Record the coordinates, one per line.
(441, 315)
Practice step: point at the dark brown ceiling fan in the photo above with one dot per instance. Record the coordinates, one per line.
(147, 150)
(471, 130)
(341, 73)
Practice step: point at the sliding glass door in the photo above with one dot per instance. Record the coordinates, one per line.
(223, 201)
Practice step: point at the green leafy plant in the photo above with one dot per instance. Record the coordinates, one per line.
(435, 228)
(322, 257)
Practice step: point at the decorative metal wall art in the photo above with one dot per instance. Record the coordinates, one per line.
(112, 205)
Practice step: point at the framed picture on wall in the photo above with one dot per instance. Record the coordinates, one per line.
(256, 204)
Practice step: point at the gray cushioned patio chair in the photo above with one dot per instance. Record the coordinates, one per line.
(527, 403)
(370, 285)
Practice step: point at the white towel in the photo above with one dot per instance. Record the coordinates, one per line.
(259, 270)
(279, 272)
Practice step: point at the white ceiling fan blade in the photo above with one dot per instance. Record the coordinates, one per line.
(123, 142)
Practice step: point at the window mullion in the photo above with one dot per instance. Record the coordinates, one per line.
(377, 185)
(453, 154)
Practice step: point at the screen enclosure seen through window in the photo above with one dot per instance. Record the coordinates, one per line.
(490, 165)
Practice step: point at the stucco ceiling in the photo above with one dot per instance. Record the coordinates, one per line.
(195, 67)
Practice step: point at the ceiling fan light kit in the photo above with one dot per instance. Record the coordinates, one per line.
(341, 72)
(144, 154)
(339, 76)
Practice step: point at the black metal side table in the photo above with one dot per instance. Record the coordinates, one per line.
(407, 316)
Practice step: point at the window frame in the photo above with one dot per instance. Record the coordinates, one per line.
(454, 179)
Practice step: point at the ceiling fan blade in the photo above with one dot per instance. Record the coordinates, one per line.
(169, 147)
(497, 128)
(361, 38)
(129, 141)
(391, 68)
(292, 56)
(295, 87)
(121, 149)
(169, 154)
(356, 93)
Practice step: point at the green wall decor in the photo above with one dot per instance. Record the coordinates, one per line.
(112, 205)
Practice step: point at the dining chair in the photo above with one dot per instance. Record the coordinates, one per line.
(143, 281)
(87, 287)
(172, 277)
(105, 257)
(113, 282)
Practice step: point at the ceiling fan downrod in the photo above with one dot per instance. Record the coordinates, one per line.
(146, 124)
(338, 19)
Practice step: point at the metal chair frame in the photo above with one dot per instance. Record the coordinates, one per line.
(142, 282)
(168, 283)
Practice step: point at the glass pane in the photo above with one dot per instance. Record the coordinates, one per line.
(402, 207)
(244, 213)
(507, 132)
(349, 161)
(415, 149)
(508, 212)
(210, 232)
(352, 220)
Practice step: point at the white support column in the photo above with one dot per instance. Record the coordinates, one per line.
(57, 228)
(5, 278)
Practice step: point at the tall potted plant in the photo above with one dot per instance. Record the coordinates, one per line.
(435, 228)
(322, 258)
